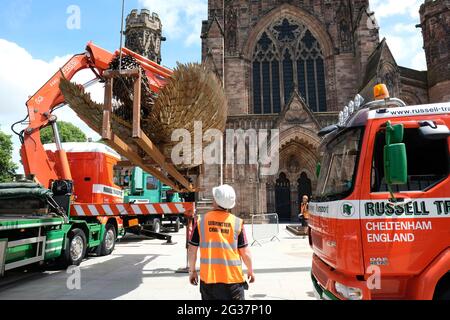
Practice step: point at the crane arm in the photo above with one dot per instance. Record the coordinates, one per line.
(40, 107)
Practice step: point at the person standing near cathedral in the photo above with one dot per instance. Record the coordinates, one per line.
(304, 211)
(223, 247)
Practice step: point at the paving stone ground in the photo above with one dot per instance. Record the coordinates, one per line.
(145, 269)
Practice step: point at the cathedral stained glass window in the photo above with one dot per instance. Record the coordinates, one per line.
(287, 56)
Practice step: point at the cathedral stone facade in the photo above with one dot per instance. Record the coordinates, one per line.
(292, 65)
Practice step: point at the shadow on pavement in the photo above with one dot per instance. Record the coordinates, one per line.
(106, 280)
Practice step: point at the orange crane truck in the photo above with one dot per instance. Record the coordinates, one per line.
(380, 217)
(68, 205)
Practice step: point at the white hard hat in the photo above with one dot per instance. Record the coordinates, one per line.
(225, 196)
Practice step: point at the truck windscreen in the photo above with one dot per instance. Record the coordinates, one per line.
(338, 171)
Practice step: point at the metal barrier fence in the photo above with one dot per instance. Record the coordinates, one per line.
(265, 226)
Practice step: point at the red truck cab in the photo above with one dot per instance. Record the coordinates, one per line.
(92, 166)
(375, 235)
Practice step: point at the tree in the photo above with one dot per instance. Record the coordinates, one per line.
(7, 166)
(67, 132)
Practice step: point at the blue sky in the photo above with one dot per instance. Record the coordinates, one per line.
(40, 28)
(35, 41)
(398, 20)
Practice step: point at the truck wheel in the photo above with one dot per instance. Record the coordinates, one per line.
(442, 291)
(108, 241)
(177, 225)
(445, 295)
(156, 225)
(75, 248)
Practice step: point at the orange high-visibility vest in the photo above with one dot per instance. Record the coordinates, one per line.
(304, 209)
(220, 261)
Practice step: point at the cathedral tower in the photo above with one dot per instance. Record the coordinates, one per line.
(143, 34)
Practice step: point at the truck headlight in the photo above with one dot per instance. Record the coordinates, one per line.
(348, 292)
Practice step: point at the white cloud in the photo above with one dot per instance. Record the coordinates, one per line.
(388, 8)
(21, 75)
(407, 48)
(397, 20)
(419, 62)
(405, 28)
(181, 19)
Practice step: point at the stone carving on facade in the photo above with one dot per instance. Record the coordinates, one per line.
(293, 164)
(345, 36)
(295, 114)
(231, 30)
(344, 28)
(388, 80)
(389, 75)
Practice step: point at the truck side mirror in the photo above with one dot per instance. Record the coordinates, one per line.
(395, 164)
(395, 160)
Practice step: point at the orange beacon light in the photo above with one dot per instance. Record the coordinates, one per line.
(380, 92)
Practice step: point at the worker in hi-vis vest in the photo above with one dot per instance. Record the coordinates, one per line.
(223, 247)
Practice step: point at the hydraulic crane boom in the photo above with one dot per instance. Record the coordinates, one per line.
(40, 107)
(49, 97)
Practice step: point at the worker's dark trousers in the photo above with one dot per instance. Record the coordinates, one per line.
(221, 291)
(303, 222)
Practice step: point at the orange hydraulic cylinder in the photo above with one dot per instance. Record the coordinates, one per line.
(63, 164)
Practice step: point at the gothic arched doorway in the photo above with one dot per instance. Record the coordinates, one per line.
(304, 186)
(283, 197)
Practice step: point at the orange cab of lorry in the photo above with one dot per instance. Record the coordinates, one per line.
(92, 166)
(380, 216)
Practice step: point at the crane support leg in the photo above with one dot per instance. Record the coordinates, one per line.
(142, 231)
